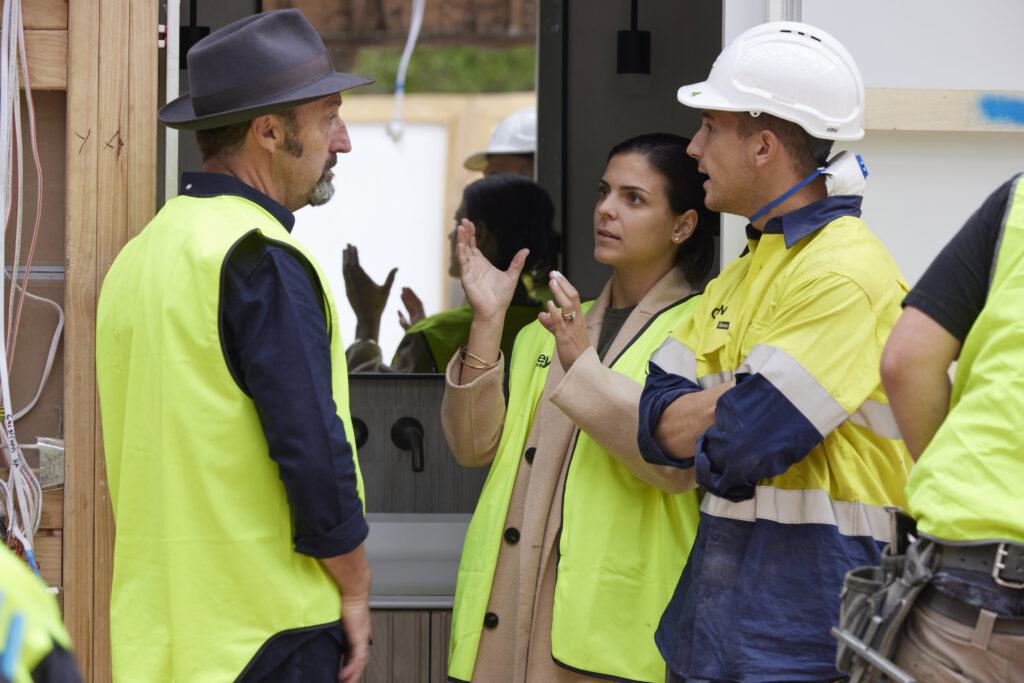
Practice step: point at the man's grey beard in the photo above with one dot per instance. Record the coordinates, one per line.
(324, 189)
(321, 192)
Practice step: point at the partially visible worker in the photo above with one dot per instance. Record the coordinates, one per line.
(511, 149)
(224, 392)
(509, 213)
(512, 146)
(770, 392)
(34, 645)
(576, 542)
(965, 490)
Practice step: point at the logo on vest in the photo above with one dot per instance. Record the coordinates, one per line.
(717, 311)
(543, 361)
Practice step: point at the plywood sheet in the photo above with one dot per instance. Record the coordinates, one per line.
(47, 51)
(44, 13)
(49, 557)
(50, 140)
(915, 109)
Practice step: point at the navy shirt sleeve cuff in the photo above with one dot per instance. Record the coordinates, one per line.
(340, 540)
(660, 390)
(758, 434)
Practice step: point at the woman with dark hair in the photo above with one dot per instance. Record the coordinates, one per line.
(509, 213)
(576, 542)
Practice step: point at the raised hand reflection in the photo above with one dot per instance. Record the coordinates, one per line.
(508, 213)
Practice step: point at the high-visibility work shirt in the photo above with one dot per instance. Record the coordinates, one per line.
(804, 453)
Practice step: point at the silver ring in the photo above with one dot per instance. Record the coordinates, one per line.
(570, 317)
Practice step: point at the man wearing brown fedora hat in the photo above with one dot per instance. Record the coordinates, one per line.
(223, 389)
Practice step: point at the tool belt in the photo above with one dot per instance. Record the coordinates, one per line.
(1004, 562)
(964, 613)
(876, 600)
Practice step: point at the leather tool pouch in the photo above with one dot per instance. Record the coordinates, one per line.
(876, 601)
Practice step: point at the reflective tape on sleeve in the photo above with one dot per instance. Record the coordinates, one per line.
(672, 356)
(708, 381)
(878, 418)
(809, 506)
(798, 385)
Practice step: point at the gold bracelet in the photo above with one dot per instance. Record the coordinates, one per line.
(485, 365)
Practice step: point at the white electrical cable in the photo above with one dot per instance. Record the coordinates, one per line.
(397, 126)
(50, 356)
(172, 70)
(8, 74)
(22, 493)
(15, 314)
(18, 217)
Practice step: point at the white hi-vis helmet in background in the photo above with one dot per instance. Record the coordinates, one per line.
(516, 134)
(791, 70)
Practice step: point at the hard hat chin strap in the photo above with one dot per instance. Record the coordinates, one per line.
(786, 195)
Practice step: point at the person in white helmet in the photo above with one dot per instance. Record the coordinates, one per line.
(511, 148)
(770, 393)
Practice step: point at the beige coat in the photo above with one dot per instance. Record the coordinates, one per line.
(590, 396)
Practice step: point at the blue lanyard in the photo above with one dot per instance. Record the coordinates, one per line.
(771, 205)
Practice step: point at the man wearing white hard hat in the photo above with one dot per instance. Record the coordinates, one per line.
(511, 148)
(770, 392)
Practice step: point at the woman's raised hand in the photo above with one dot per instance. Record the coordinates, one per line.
(488, 289)
(568, 325)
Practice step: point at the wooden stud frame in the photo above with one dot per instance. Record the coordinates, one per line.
(111, 194)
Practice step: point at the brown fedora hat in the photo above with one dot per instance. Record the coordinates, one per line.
(257, 65)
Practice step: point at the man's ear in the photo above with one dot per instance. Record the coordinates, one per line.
(768, 148)
(268, 131)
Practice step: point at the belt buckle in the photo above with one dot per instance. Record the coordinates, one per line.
(999, 565)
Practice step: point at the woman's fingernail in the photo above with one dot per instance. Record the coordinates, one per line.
(555, 275)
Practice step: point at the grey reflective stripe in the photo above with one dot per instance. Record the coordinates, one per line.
(878, 418)
(672, 356)
(708, 381)
(797, 384)
(809, 506)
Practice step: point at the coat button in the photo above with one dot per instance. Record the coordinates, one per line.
(529, 454)
(490, 620)
(512, 535)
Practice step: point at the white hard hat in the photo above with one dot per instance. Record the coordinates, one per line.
(516, 134)
(791, 70)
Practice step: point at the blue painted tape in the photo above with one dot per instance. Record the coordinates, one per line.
(1002, 109)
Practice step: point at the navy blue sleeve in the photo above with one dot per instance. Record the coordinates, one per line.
(58, 666)
(733, 455)
(277, 345)
(954, 289)
(660, 390)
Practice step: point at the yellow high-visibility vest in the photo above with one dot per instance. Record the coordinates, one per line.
(623, 541)
(966, 484)
(204, 565)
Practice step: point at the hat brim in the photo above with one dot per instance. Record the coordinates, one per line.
(180, 114)
(703, 95)
(476, 162)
